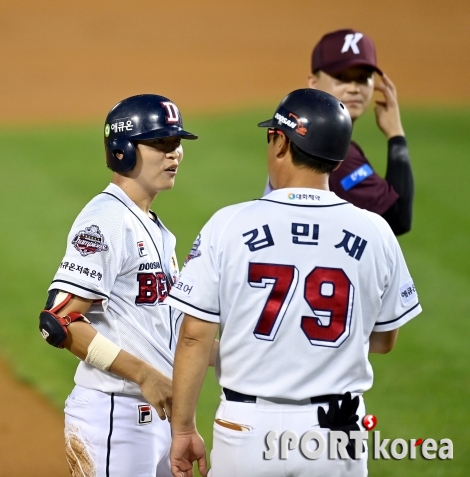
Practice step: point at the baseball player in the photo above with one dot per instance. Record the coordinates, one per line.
(106, 305)
(343, 64)
(302, 285)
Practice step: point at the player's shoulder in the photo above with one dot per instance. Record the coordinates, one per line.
(103, 204)
(229, 212)
(376, 223)
(354, 148)
(227, 218)
(106, 210)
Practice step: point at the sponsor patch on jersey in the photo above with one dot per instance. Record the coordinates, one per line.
(141, 248)
(185, 284)
(195, 252)
(145, 413)
(90, 240)
(408, 292)
(356, 177)
(308, 197)
(81, 269)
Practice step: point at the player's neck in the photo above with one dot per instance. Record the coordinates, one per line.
(303, 178)
(139, 195)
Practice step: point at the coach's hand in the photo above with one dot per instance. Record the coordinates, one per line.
(157, 390)
(387, 112)
(187, 447)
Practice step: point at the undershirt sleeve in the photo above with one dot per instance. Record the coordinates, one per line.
(400, 177)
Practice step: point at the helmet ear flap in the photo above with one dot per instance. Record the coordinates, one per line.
(120, 145)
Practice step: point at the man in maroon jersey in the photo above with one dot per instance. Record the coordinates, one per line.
(344, 64)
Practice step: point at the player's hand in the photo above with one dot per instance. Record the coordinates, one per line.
(157, 390)
(387, 112)
(185, 449)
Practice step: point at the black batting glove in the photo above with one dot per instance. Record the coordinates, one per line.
(341, 418)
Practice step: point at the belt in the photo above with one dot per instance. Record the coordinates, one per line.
(231, 395)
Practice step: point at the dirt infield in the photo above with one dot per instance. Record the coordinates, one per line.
(31, 435)
(74, 60)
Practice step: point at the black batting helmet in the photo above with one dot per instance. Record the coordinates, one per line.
(141, 117)
(316, 122)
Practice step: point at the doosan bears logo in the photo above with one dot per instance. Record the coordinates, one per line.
(89, 241)
(301, 130)
(298, 125)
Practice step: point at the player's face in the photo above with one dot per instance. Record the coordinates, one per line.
(353, 87)
(157, 162)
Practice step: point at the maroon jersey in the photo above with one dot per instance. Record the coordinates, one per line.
(356, 182)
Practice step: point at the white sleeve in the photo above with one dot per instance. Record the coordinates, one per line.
(197, 290)
(400, 300)
(93, 256)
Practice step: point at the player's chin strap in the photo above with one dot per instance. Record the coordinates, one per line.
(53, 327)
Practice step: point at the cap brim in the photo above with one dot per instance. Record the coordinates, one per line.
(267, 124)
(338, 67)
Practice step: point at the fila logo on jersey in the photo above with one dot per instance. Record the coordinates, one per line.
(350, 41)
(145, 414)
(141, 249)
(89, 241)
(172, 111)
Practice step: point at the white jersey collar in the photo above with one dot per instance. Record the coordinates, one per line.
(169, 240)
(304, 197)
(115, 190)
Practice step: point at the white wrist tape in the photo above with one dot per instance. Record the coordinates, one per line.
(102, 352)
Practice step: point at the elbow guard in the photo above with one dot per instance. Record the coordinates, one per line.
(53, 327)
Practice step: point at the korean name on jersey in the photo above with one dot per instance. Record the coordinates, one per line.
(295, 279)
(119, 257)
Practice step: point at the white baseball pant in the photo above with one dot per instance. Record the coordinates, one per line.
(241, 453)
(115, 435)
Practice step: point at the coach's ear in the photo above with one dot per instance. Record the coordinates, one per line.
(281, 144)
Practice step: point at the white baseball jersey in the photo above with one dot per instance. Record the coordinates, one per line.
(124, 260)
(298, 280)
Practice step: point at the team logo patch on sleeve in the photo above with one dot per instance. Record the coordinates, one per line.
(89, 241)
(145, 413)
(195, 252)
(356, 177)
